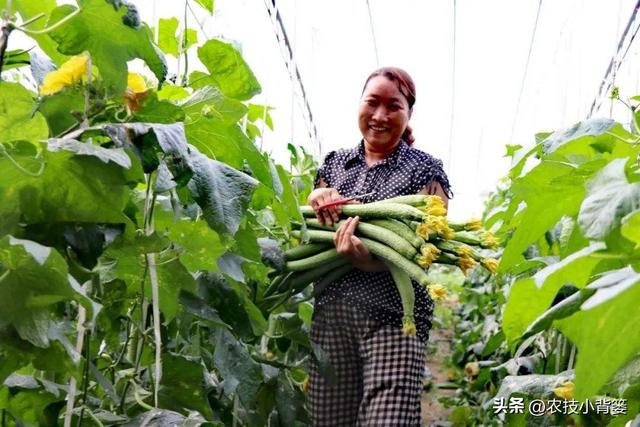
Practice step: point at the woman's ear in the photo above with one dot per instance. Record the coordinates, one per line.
(410, 112)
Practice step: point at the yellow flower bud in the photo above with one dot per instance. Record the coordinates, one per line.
(490, 264)
(473, 224)
(489, 240)
(472, 369)
(565, 391)
(409, 330)
(437, 292)
(465, 263)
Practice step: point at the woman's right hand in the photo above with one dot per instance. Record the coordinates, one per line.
(321, 196)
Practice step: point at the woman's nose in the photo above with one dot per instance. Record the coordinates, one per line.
(380, 114)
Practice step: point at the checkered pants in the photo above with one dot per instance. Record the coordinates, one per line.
(378, 371)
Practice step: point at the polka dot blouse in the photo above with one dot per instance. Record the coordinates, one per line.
(406, 171)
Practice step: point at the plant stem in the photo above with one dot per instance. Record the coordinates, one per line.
(93, 417)
(5, 30)
(82, 316)
(32, 19)
(184, 45)
(51, 28)
(85, 377)
(155, 293)
(572, 356)
(153, 276)
(87, 95)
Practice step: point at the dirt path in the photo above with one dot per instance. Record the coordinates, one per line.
(434, 413)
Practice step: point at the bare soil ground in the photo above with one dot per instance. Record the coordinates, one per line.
(435, 413)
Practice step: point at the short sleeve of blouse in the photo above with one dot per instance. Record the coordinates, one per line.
(432, 170)
(325, 171)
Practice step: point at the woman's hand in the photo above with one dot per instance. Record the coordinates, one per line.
(319, 197)
(349, 246)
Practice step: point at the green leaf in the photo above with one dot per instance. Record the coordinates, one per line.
(531, 296)
(28, 9)
(631, 227)
(200, 308)
(207, 4)
(608, 324)
(171, 92)
(512, 149)
(242, 375)
(610, 197)
(173, 277)
(288, 209)
(33, 278)
(229, 70)
(202, 246)
(229, 304)
(167, 40)
(105, 155)
(551, 190)
(289, 401)
(17, 119)
(588, 128)
(70, 188)
(61, 109)
(15, 59)
(222, 192)
(182, 385)
(124, 259)
(260, 112)
(538, 386)
(111, 32)
(154, 110)
(209, 102)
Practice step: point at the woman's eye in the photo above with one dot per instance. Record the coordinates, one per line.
(371, 102)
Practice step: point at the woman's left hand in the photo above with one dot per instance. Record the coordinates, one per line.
(351, 247)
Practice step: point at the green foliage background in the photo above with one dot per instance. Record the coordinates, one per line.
(131, 234)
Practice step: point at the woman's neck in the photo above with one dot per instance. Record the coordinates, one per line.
(373, 154)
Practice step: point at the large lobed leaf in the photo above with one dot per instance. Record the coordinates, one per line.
(28, 9)
(17, 119)
(61, 187)
(33, 278)
(610, 197)
(531, 296)
(222, 192)
(111, 32)
(228, 70)
(606, 330)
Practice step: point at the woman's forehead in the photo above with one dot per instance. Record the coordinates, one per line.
(382, 87)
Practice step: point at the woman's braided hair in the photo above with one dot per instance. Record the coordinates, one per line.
(407, 89)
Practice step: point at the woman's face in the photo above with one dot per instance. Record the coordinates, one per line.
(384, 112)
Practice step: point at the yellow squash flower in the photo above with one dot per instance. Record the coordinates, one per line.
(490, 264)
(69, 73)
(465, 251)
(565, 391)
(437, 292)
(424, 231)
(472, 369)
(408, 327)
(428, 254)
(473, 224)
(136, 83)
(489, 240)
(436, 210)
(465, 263)
(136, 91)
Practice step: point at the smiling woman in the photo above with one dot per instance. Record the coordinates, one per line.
(357, 318)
